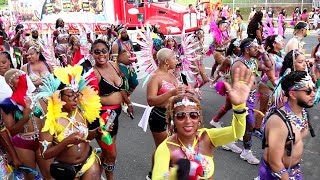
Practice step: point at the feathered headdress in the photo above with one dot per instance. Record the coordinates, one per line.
(71, 77)
(277, 95)
(269, 29)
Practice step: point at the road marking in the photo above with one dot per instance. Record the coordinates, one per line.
(139, 105)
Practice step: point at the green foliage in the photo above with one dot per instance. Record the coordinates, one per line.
(186, 2)
(3, 2)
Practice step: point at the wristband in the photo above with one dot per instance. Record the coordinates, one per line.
(279, 173)
(265, 53)
(240, 111)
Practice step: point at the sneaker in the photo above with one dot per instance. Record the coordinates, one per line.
(249, 157)
(216, 124)
(257, 133)
(232, 147)
(148, 177)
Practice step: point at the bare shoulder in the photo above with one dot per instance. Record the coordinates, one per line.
(275, 123)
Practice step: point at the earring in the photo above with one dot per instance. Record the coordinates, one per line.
(166, 66)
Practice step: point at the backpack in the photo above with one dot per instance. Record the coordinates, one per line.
(291, 134)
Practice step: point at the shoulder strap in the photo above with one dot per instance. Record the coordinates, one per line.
(28, 68)
(291, 135)
(47, 65)
(119, 46)
(310, 126)
(98, 71)
(115, 70)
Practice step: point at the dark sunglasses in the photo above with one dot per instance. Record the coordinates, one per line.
(183, 115)
(307, 91)
(98, 51)
(73, 96)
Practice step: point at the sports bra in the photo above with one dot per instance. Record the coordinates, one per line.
(72, 127)
(33, 76)
(165, 87)
(106, 88)
(206, 161)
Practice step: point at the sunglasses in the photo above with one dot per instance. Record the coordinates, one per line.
(178, 65)
(307, 91)
(98, 51)
(74, 96)
(183, 115)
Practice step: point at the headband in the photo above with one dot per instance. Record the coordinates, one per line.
(253, 43)
(236, 43)
(278, 39)
(304, 82)
(14, 75)
(35, 48)
(185, 102)
(121, 30)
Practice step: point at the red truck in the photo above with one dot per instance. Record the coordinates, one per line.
(100, 14)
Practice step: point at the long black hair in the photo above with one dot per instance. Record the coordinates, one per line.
(288, 61)
(231, 47)
(8, 56)
(256, 19)
(269, 45)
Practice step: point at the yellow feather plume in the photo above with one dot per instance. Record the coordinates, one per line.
(54, 112)
(90, 102)
(63, 74)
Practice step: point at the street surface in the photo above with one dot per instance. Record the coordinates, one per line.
(135, 146)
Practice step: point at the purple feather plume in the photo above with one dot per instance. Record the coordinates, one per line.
(220, 88)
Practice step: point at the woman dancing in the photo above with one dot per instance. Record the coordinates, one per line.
(65, 135)
(189, 140)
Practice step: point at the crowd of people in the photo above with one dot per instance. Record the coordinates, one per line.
(57, 97)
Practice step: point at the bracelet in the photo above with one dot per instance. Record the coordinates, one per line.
(279, 173)
(265, 53)
(240, 111)
(130, 104)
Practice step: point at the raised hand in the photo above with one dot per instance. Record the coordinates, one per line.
(239, 90)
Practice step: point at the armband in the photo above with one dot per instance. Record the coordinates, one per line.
(114, 57)
(240, 111)
(279, 173)
(45, 145)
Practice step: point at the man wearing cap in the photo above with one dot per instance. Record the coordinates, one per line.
(122, 49)
(35, 40)
(301, 30)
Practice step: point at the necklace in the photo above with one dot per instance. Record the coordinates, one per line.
(192, 154)
(251, 63)
(293, 118)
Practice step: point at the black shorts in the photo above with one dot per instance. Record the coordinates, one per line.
(114, 131)
(115, 122)
(157, 120)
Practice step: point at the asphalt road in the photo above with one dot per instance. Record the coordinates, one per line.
(135, 146)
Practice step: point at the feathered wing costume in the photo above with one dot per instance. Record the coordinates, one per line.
(189, 46)
(146, 64)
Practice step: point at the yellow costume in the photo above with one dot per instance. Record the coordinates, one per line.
(89, 108)
(218, 137)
